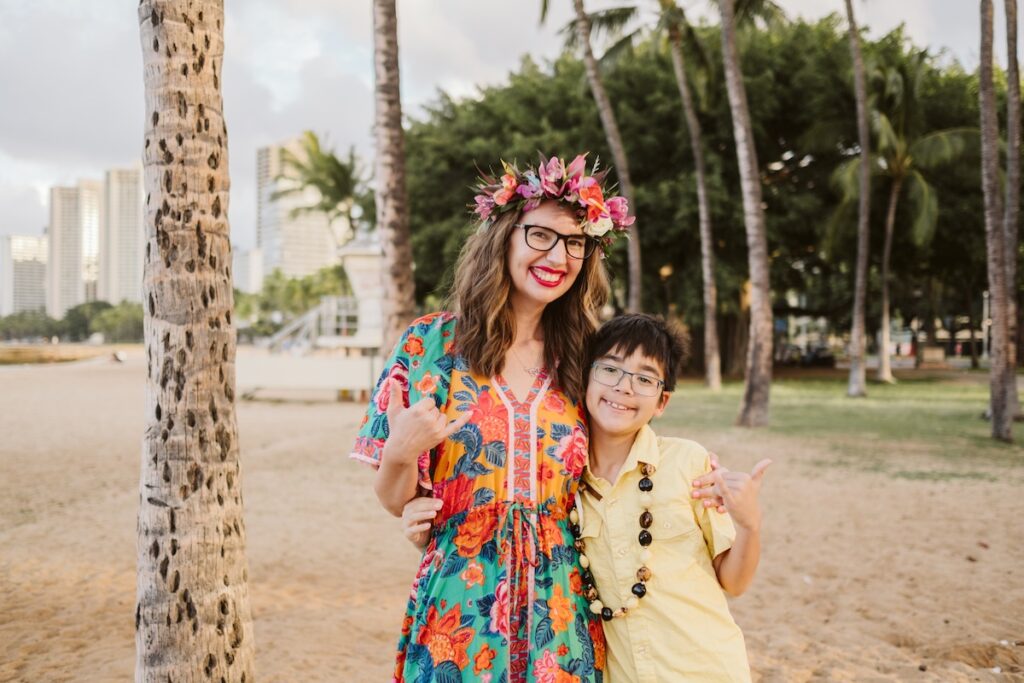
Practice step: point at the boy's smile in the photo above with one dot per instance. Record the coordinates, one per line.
(619, 410)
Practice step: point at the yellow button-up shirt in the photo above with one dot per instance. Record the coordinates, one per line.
(682, 629)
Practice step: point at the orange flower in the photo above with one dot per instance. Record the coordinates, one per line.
(456, 496)
(554, 402)
(560, 609)
(597, 637)
(413, 345)
(427, 385)
(549, 534)
(491, 417)
(446, 640)
(483, 659)
(563, 650)
(576, 581)
(566, 677)
(473, 575)
(477, 529)
(592, 197)
(407, 625)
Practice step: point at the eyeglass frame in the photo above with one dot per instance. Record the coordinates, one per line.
(588, 250)
(660, 386)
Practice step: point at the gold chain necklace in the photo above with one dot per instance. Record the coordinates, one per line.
(532, 371)
(643, 574)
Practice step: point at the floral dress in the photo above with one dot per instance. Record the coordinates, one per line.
(498, 594)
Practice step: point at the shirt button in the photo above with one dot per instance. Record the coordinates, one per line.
(612, 502)
(668, 525)
(622, 552)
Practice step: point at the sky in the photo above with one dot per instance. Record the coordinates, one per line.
(71, 91)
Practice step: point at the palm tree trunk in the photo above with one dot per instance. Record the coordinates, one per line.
(192, 619)
(754, 411)
(884, 362)
(971, 320)
(392, 200)
(857, 385)
(712, 356)
(995, 239)
(1012, 207)
(611, 132)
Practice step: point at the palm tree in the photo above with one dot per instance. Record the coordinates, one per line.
(614, 138)
(1012, 209)
(904, 151)
(995, 236)
(392, 200)
(857, 384)
(336, 182)
(754, 410)
(192, 618)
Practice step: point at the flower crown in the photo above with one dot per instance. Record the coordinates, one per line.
(600, 218)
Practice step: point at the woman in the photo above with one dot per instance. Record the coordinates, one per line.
(480, 406)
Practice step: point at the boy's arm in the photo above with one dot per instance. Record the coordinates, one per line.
(736, 566)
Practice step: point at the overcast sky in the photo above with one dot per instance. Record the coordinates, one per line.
(71, 99)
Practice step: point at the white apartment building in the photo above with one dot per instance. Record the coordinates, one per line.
(22, 274)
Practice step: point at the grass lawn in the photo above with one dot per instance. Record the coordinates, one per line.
(932, 420)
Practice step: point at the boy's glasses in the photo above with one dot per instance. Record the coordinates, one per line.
(544, 239)
(610, 376)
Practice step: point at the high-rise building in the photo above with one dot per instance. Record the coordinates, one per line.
(247, 270)
(122, 237)
(296, 245)
(22, 274)
(73, 249)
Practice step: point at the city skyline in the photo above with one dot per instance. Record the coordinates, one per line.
(309, 67)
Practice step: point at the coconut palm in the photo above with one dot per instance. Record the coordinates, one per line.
(995, 237)
(192, 618)
(399, 301)
(614, 138)
(338, 187)
(905, 153)
(857, 385)
(754, 409)
(1012, 208)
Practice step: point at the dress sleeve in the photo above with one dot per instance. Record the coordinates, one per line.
(717, 527)
(422, 365)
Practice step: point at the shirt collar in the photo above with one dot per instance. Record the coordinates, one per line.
(644, 449)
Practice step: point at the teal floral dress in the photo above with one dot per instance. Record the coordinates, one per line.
(498, 595)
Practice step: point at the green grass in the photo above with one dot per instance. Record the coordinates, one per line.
(923, 415)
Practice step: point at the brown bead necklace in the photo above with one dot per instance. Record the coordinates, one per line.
(643, 574)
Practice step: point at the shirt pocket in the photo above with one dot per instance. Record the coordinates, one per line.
(672, 520)
(591, 527)
(677, 539)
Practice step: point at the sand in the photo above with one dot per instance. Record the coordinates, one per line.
(864, 577)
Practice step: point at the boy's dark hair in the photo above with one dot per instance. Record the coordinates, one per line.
(653, 335)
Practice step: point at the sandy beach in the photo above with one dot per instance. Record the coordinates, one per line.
(865, 576)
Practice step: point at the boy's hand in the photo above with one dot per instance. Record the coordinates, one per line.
(739, 490)
(417, 428)
(702, 486)
(417, 518)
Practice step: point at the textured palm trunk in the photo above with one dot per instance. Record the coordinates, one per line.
(995, 239)
(192, 619)
(392, 199)
(885, 333)
(712, 356)
(1012, 207)
(754, 411)
(857, 385)
(611, 132)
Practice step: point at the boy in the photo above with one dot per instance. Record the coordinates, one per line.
(659, 564)
(656, 557)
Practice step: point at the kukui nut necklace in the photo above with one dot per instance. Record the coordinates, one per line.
(643, 574)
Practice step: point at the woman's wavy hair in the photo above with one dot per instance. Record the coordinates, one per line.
(486, 328)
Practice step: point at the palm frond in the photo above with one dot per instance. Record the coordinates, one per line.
(884, 132)
(605, 25)
(767, 12)
(926, 208)
(622, 47)
(944, 146)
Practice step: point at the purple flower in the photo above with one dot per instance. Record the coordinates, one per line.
(531, 187)
(484, 206)
(618, 209)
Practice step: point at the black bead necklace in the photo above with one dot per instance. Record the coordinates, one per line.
(643, 575)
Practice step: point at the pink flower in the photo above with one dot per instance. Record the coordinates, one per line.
(618, 208)
(552, 177)
(499, 609)
(383, 396)
(572, 451)
(531, 187)
(484, 206)
(577, 167)
(546, 669)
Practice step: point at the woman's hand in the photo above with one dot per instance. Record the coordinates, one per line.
(739, 490)
(417, 517)
(702, 486)
(417, 428)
